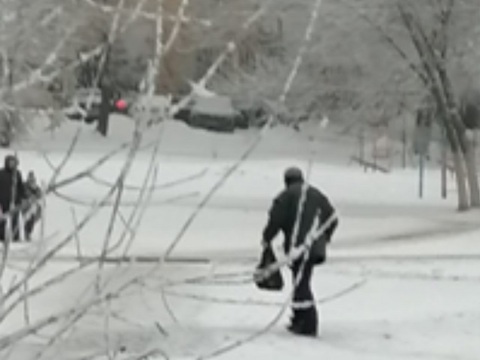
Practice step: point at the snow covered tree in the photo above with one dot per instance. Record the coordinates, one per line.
(436, 41)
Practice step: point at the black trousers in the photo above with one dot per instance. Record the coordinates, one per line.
(303, 307)
(15, 228)
(30, 223)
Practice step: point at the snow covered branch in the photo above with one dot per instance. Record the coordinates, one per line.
(152, 16)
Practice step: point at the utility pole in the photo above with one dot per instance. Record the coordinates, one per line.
(404, 142)
(444, 166)
(361, 138)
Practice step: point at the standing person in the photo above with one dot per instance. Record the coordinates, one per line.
(316, 210)
(33, 211)
(12, 194)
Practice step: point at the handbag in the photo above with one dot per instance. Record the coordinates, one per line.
(274, 280)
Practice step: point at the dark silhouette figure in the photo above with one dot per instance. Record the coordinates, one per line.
(12, 194)
(33, 210)
(316, 210)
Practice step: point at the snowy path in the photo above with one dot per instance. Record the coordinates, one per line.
(375, 208)
(422, 317)
(417, 262)
(404, 318)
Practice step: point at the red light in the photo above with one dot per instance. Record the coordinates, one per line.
(121, 104)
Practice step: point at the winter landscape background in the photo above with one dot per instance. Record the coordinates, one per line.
(151, 234)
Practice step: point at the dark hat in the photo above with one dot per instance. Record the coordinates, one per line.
(9, 159)
(293, 175)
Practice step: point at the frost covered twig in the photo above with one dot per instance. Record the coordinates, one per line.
(158, 52)
(88, 170)
(209, 74)
(149, 15)
(136, 141)
(38, 74)
(228, 50)
(16, 294)
(238, 343)
(304, 254)
(144, 197)
(76, 238)
(73, 313)
(40, 288)
(260, 303)
(166, 185)
(169, 200)
(112, 35)
(301, 256)
(118, 186)
(55, 249)
(58, 169)
(253, 146)
(180, 19)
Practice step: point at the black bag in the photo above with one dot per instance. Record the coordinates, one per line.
(318, 250)
(274, 281)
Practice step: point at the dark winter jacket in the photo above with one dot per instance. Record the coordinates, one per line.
(283, 214)
(8, 192)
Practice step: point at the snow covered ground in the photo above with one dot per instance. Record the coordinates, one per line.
(401, 283)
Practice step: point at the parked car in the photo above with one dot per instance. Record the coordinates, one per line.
(214, 113)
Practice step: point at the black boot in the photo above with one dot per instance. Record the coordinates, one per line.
(304, 322)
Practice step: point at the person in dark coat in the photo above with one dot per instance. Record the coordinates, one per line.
(282, 218)
(12, 194)
(33, 211)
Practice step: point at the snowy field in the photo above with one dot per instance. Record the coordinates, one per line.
(401, 283)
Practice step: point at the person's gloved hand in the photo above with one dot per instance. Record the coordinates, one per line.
(258, 275)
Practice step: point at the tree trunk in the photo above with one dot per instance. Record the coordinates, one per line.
(461, 177)
(472, 177)
(104, 114)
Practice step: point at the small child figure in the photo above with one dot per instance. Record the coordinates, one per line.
(33, 211)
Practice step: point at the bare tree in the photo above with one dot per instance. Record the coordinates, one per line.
(431, 43)
(24, 288)
(430, 38)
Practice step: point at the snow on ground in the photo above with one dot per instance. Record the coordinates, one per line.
(413, 263)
